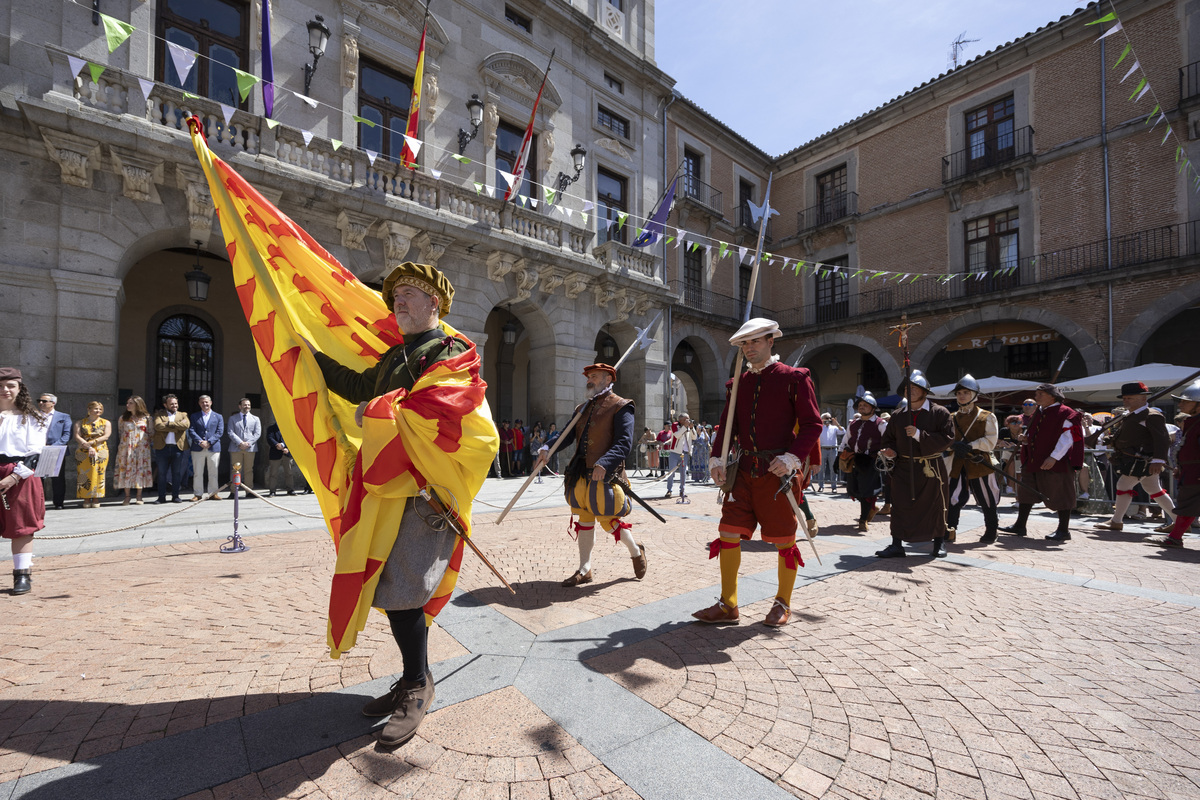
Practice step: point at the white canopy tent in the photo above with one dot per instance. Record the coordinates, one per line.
(989, 387)
(1105, 388)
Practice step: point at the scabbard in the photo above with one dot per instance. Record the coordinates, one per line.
(630, 493)
(440, 509)
(987, 462)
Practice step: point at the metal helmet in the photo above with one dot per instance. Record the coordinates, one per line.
(966, 382)
(869, 399)
(917, 378)
(1191, 392)
(902, 405)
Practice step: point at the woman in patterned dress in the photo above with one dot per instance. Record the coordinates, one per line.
(91, 455)
(133, 453)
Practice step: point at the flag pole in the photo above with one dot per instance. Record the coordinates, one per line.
(640, 343)
(526, 142)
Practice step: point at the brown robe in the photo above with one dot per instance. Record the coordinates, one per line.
(919, 503)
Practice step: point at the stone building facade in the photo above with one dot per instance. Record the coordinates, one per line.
(105, 210)
(1031, 158)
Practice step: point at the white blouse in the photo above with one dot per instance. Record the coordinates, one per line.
(21, 436)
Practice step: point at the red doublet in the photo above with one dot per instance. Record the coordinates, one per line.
(1043, 435)
(776, 413)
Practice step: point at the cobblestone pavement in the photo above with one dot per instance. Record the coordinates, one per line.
(1022, 669)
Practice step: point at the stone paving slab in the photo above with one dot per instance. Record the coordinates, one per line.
(1022, 669)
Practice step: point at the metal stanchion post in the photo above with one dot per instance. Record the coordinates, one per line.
(234, 544)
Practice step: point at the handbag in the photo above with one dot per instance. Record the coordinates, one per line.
(846, 462)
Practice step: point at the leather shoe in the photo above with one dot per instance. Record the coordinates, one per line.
(871, 514)
(988, 538)
(639, 564)
(812, 527)
(951, 534)
(578, 578)
(1059, 536)
(939, 548)
(779, 615)
(718, 614)
(1109, 525)
(1014, 530)
(862, 526)
(22, 583)
(892, 551)
(1158, 541)
(887, 509)
(413, 705)
(388, 703)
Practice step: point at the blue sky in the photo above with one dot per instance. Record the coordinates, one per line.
(782, 72)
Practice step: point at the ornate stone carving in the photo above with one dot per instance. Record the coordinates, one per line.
(546, 151)
(614, 147)
(552, 279)
(397, 239)
(954, 199)
(642, 306)
(491, 123)
(76, 157)
(613, 19)
(429, 101)
(516, 77)
(574, 285)
(622, 305)
(138, 173)
(349, 62)
(809, 245)
(1022, 176)
(851, 233)
(527, 278)
(499, 264)
(604, 291)
(199, 201)
(354, 228)
(432, 246)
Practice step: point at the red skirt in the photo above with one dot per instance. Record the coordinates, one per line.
(26, 512)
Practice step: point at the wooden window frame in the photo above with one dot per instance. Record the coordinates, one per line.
(205, 38)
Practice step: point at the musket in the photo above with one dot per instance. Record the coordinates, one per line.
(764, 216)
(976, 457)
(642, 341)
(1149, 400)
(452, 521)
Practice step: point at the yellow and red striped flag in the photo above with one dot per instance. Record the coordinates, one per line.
(439, 434)
(407, 157)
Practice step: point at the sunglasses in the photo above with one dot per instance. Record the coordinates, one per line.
(45, 401)
(1030, 404)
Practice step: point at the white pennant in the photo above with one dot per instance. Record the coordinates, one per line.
(371, 156)
(588, 205)
(311, 103)
(183, 59)
(1111, 30)
(307, 136)
(491, 191)
(1145, 89)
(508, 176)
(533, 202)
(566, 211)
(76, 65)
(436, 173)
(786, 261)
(227, 111)
(147, 86)
(1132, 70)
(603, 222)
(742, 254)
(414, 144)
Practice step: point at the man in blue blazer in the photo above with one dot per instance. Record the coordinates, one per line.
(204, 436)
(59, 433)
(245, 430)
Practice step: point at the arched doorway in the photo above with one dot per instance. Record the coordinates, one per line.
(505, 368)
(1173, 342)
(839, 370)
(185, 362)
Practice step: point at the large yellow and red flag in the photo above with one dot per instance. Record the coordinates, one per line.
(439, 434)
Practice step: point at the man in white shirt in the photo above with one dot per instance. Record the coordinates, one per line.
(831, 437)
(681, 452)
(204, 435)
(244, 431)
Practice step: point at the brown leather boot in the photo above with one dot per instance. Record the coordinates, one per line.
(639, 563)
(413, 705)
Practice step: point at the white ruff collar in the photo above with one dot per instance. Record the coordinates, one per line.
(768, 363)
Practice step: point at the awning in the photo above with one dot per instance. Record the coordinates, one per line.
(1007, 332)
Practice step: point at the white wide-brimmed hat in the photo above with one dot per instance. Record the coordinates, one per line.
(753, 328)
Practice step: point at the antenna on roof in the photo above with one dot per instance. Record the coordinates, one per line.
(956, 47)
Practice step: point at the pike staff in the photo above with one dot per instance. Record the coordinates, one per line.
(901, 332)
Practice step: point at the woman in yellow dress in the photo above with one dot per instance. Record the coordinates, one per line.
(91, 455)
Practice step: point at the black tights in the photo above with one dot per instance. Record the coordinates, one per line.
(412, 636)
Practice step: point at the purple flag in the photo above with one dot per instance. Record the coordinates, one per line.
(268, 67)
(654, 227)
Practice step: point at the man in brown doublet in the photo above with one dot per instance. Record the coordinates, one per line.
(1139, 443)
(976, 432)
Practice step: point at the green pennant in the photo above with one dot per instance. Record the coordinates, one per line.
(1178, 149)
(724, 249)
(1150, 117)
(621, 217)
(799, 266)
(1106, 18)
(551, 195)
(1125, 52)
(271, 123)
(96, 71)
(583, 215)
(115, 31)
(191, 96)
(478, 187)
(877, 275)
(245, 82)
(915, 278)
(638, 235)
(857, 272)
(1137, 88)
(461, 159)
(669, 238)
(363, 120)
(337, 144)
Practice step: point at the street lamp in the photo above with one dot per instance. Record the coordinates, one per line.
(835, 363)
(509, 331)
(197, 280)
(578, 160)
(609, 349)
(475, 109)
(993, 345)
(318, 38)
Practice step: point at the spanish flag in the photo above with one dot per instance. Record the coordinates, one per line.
(439, 434)
(407, 157)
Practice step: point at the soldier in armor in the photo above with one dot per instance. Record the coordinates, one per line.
(976, 432)
(595, 474)
(859, 450)
(1139, 443)
(1188, 485)
(917, 439)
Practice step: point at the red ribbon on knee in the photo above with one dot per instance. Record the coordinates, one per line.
(1157, 495)
(791, 557)
(1131, 492)
(718, 544)
(574, 527)
(619, 526)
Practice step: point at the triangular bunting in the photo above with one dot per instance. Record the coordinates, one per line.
(1111, 31)
(307, 136)
(436, 173)
(508, 177)
(271, 123)
(337, 144)
(583, 216)
(478, 187)
(245, 82)
(76, 64)
(414, 145)
(742, 254)
(227, 111)
(96, 70)
(305, 99)
(588, 205)
(460, 159)
(183, 59)
(364, 121)
(147, 86)
(115, 31)
(371, 156)
(1133, 69)
(724, 250)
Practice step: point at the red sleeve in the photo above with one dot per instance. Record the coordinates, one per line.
(808, 418)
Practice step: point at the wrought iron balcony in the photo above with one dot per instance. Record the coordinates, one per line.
(701, 193)
(705, 303)
(988, 154)
(1189, 81)
(745, 220)
(828, 211)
